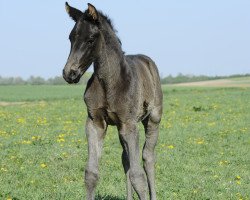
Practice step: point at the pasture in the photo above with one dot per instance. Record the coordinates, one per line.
(203, 150)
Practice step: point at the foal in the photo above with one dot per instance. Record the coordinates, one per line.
(123, 90)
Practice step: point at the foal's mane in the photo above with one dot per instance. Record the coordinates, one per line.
(105, 19)
(108, 20)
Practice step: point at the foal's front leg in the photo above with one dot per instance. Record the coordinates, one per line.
(95, 131)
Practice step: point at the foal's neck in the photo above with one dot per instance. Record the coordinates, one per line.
(110, 66)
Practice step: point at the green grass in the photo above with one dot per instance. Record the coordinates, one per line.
(203, 150)
(241, 80)
(40, 92)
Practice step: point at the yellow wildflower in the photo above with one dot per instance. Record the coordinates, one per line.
(200, 141)
(223, 162)
(4, 169)
(26, 142)
(61, 140)
(41, 120)
(43, 165)
(36, 137)
(211, 124)
(64, 154)
(21, 120)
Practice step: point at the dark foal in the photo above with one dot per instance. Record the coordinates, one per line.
(123, 90)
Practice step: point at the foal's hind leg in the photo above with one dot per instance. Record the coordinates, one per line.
(151, 124)
(95, 131)
(126, 166)
(130, 137)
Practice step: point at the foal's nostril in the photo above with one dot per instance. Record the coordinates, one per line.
(70, 74)
(73, 73)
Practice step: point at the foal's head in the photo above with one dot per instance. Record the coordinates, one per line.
(85, 41)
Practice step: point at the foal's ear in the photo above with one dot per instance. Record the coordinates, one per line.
(92, 12)
(74, 13)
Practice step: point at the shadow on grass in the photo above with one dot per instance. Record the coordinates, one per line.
(107, 197)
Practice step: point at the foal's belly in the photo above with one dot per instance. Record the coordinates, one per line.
(112, 118)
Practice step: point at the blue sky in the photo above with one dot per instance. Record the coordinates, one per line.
(190, 37)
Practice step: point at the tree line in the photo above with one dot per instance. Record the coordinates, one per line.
(58, 80)
(180, 78)
(37, 80)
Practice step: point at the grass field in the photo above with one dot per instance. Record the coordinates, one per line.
(203, 150)
(229, 82)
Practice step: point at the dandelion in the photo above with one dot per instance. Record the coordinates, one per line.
(61, 135)
(12, 157)
(239, 196)
(4, 169)
(214, 106)
(211, 124)
(238, 178)
(61, 138)
(21, 120)
(68, 122)
(238, 182)
(170, 146)
(36, 137)
(167, 125)
(26, 142)
(200, 141)
(3, 133)
(243, 130)
(43, 165)
(41, 120)
(223, 162)
(64, 154)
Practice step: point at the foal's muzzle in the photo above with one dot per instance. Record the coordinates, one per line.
(73, 76)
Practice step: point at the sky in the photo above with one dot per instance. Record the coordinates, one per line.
(210, 37)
